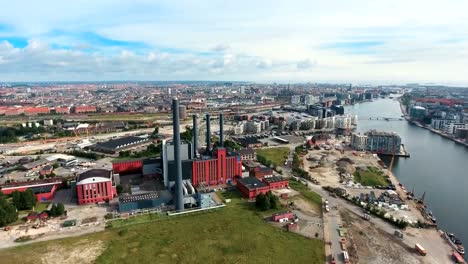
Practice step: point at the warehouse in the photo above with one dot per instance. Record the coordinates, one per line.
(250, 187)
(43, 189)
(95, 186)
(115, 145)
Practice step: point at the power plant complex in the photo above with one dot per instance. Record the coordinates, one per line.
(185, 169)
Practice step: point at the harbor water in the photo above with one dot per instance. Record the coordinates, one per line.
(437, 166)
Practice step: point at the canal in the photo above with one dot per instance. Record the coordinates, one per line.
(437, 166)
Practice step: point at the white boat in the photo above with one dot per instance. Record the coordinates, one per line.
(455, 242)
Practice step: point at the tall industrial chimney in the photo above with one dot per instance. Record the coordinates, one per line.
(208, 134)
(179, 196)
(221, 129)
(195, 135)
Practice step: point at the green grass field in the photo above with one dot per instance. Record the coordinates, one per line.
(371, 177)
(309, 195)
(234, 234)
(277, 155)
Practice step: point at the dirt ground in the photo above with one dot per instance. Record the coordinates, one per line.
(310, 220)
(325, 165)
(87, 253)
(368, 244)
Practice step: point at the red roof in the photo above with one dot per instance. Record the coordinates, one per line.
(63, 110)
(85, 108)
(443, 101)
(37, 110)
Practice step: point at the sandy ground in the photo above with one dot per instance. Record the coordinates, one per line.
(85, 253)
(368, 244)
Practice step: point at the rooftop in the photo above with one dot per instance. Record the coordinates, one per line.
(251, 183)
(274, 179)
(138, 197)
(114, 143)
(94, 173)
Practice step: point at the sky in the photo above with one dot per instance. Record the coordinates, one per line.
(357, 41)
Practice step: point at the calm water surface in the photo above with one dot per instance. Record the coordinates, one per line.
(437, 166)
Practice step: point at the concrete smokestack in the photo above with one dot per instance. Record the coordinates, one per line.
(221, 129)
(195, 135)
(208, 135)
(179, 196)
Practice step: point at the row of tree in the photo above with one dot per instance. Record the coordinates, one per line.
(266, 201)
(24, 200)
(151, 150)
(8, 212)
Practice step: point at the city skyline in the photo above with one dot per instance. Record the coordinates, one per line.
(304, 41)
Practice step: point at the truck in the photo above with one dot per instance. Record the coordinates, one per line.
(346, 257)
(457, 258)
(420, 250)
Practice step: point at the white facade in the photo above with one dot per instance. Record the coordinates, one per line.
(310, 99)
(358, 141)
(295, 99)
(452, 127)
(239, 129)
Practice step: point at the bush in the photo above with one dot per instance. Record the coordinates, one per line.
(123, 232)
(109, 216)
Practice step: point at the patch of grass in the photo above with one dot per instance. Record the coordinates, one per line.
(276, 155)
(38, 208)
(309, 195)
(371, 177)
(234, 234)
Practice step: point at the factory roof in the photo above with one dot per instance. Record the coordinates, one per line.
(251, 183)
(94, 173)
(35, 164)
(274, 179)
(245, 151)
(115, 143)
(138, 197)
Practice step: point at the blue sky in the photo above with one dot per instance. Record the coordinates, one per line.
(358, 41)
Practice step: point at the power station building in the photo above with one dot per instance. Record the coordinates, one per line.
(213, 167)
(95, 186)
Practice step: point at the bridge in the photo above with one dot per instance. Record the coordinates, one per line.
(381, 118)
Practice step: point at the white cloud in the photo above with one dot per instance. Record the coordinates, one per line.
(219, 40)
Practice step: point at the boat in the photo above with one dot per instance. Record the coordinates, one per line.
(432, 217)
(455, 242)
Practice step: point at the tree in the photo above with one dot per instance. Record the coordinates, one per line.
(28, 199)
(260, 201)
(53, 210)
(8, 212)
(17, 201)
(119, 189)
(60, 209)
(156, 131)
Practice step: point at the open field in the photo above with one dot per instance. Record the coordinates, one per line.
(371, 177)
(309, 195)
(234, 234)
(276, 155)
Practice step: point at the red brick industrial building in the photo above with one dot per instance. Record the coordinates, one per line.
(219, 169)
(95, 186)
(44, 190)
(250, 187)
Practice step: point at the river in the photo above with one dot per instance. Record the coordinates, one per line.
(437, 166)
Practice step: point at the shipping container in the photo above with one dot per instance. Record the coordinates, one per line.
(420, 249)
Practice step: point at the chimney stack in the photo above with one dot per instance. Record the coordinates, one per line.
(221, 129)
(208, 134)
(195, 135)
(179, 196)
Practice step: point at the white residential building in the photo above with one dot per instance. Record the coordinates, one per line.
(310, 99)
(296, 99)
(358, 141)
